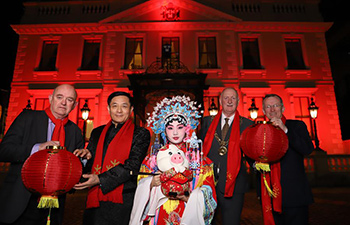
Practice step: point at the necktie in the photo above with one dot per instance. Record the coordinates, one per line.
(225, 129)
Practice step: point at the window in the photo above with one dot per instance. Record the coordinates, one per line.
(250, 53)
(170, 52)
(48, 56)
(91, 55)
(133, 53)
(294, 54)
(41, 103)
(301, 105)
(207, 52)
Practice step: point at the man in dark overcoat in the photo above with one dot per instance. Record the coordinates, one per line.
(30, 132)
(221, 136)
(296, 191)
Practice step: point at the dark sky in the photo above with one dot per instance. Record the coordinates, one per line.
(15, 8)
(338, 43)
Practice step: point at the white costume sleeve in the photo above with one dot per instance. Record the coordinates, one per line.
(193, 213)
(140, 201)
(146, 201)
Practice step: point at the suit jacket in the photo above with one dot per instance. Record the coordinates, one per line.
(295, 186)
(120, 174)
(28, 129)
(241, 185)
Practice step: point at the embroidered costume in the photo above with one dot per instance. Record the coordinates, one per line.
(194, 178)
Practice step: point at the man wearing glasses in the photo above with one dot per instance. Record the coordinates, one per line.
(296, 192)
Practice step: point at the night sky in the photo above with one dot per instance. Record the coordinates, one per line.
(15, 7)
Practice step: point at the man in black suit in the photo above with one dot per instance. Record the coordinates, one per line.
(118, 148)
(296, 192)
(226, 154)
(32, 131)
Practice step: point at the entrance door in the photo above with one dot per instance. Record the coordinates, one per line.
(148, 89)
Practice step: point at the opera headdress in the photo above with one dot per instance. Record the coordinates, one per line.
(178, 108)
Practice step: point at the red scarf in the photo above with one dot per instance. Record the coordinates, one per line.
(234, 151)
(59, 134)
(274, 180)
(117, 152)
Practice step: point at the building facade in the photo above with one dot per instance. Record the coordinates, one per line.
(159, 48)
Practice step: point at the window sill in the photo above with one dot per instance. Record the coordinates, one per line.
(80, 73)
(290, 72)
(260, 72)
(38, 73)
(214, 71)
(125, 72)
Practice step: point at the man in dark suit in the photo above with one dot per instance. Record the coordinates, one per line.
(32, 131)
(221, 136)
(118, 148)
(296, 192)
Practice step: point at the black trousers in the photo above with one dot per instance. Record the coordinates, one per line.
(229, 209)
(32, 215)
(292, 216)
(110, 213)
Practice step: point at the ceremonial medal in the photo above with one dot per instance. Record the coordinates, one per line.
(222, 150)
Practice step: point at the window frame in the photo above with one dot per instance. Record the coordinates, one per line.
(207, 53)
(95, 40)
(257, 66)
(125, 66)
(297, 92)
(177, 59)
(302, 66)
(41, 67)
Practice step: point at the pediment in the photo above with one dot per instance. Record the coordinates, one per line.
(154, 10)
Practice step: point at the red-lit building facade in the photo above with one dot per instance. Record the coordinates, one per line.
(159, 48)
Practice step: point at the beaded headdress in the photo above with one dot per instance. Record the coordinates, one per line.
(185, 111)
(177, 108)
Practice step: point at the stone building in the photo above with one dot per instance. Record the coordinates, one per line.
(159, 48)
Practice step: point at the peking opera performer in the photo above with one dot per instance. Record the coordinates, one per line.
(181, 189)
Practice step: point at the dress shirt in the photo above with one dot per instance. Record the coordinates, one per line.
(50, 128)
(230, 120)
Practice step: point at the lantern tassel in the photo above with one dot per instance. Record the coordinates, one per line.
(265, 167)
(271, 193)
(48, 218)
(48, 201)
(262, 166)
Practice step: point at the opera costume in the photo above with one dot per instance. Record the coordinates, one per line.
(158, 204)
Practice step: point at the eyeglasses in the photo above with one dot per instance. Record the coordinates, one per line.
(272, 106)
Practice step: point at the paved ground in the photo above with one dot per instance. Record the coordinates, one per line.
(331, 207)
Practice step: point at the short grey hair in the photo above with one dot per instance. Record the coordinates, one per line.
(232, 88)
(272, 95)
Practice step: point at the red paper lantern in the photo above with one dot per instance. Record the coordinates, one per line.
(264, 142)
(51, 172)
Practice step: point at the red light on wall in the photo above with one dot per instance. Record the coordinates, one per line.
(170, 13)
